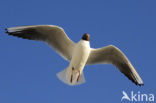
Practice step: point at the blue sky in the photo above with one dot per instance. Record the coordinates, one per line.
(28, 68)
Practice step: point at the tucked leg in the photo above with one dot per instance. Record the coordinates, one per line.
(71, 80)
(78, 77)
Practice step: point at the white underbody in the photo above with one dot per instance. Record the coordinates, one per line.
(80, 55)
(73, 74)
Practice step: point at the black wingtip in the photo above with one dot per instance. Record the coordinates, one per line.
(140, 85)
(6, 30)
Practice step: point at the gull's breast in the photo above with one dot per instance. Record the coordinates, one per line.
(80, 55)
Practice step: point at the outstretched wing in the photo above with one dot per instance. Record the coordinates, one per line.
(113, 55)
(53, 35)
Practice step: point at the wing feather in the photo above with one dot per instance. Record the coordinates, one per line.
(53, 35)
(113, 55)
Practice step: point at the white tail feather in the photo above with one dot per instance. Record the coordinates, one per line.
(64, 78)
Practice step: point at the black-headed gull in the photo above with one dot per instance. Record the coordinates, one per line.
(78, 54)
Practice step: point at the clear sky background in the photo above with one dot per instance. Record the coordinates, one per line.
(28, 68)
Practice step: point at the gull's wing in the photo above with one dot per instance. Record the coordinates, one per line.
(53, 35)
(113, 55)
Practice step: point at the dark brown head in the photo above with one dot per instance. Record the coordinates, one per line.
(86, 37)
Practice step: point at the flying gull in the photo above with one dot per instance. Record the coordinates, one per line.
(78, 54)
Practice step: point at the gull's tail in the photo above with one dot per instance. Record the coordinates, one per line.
(65, 76)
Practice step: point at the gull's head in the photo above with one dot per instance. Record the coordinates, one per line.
(86, 37)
